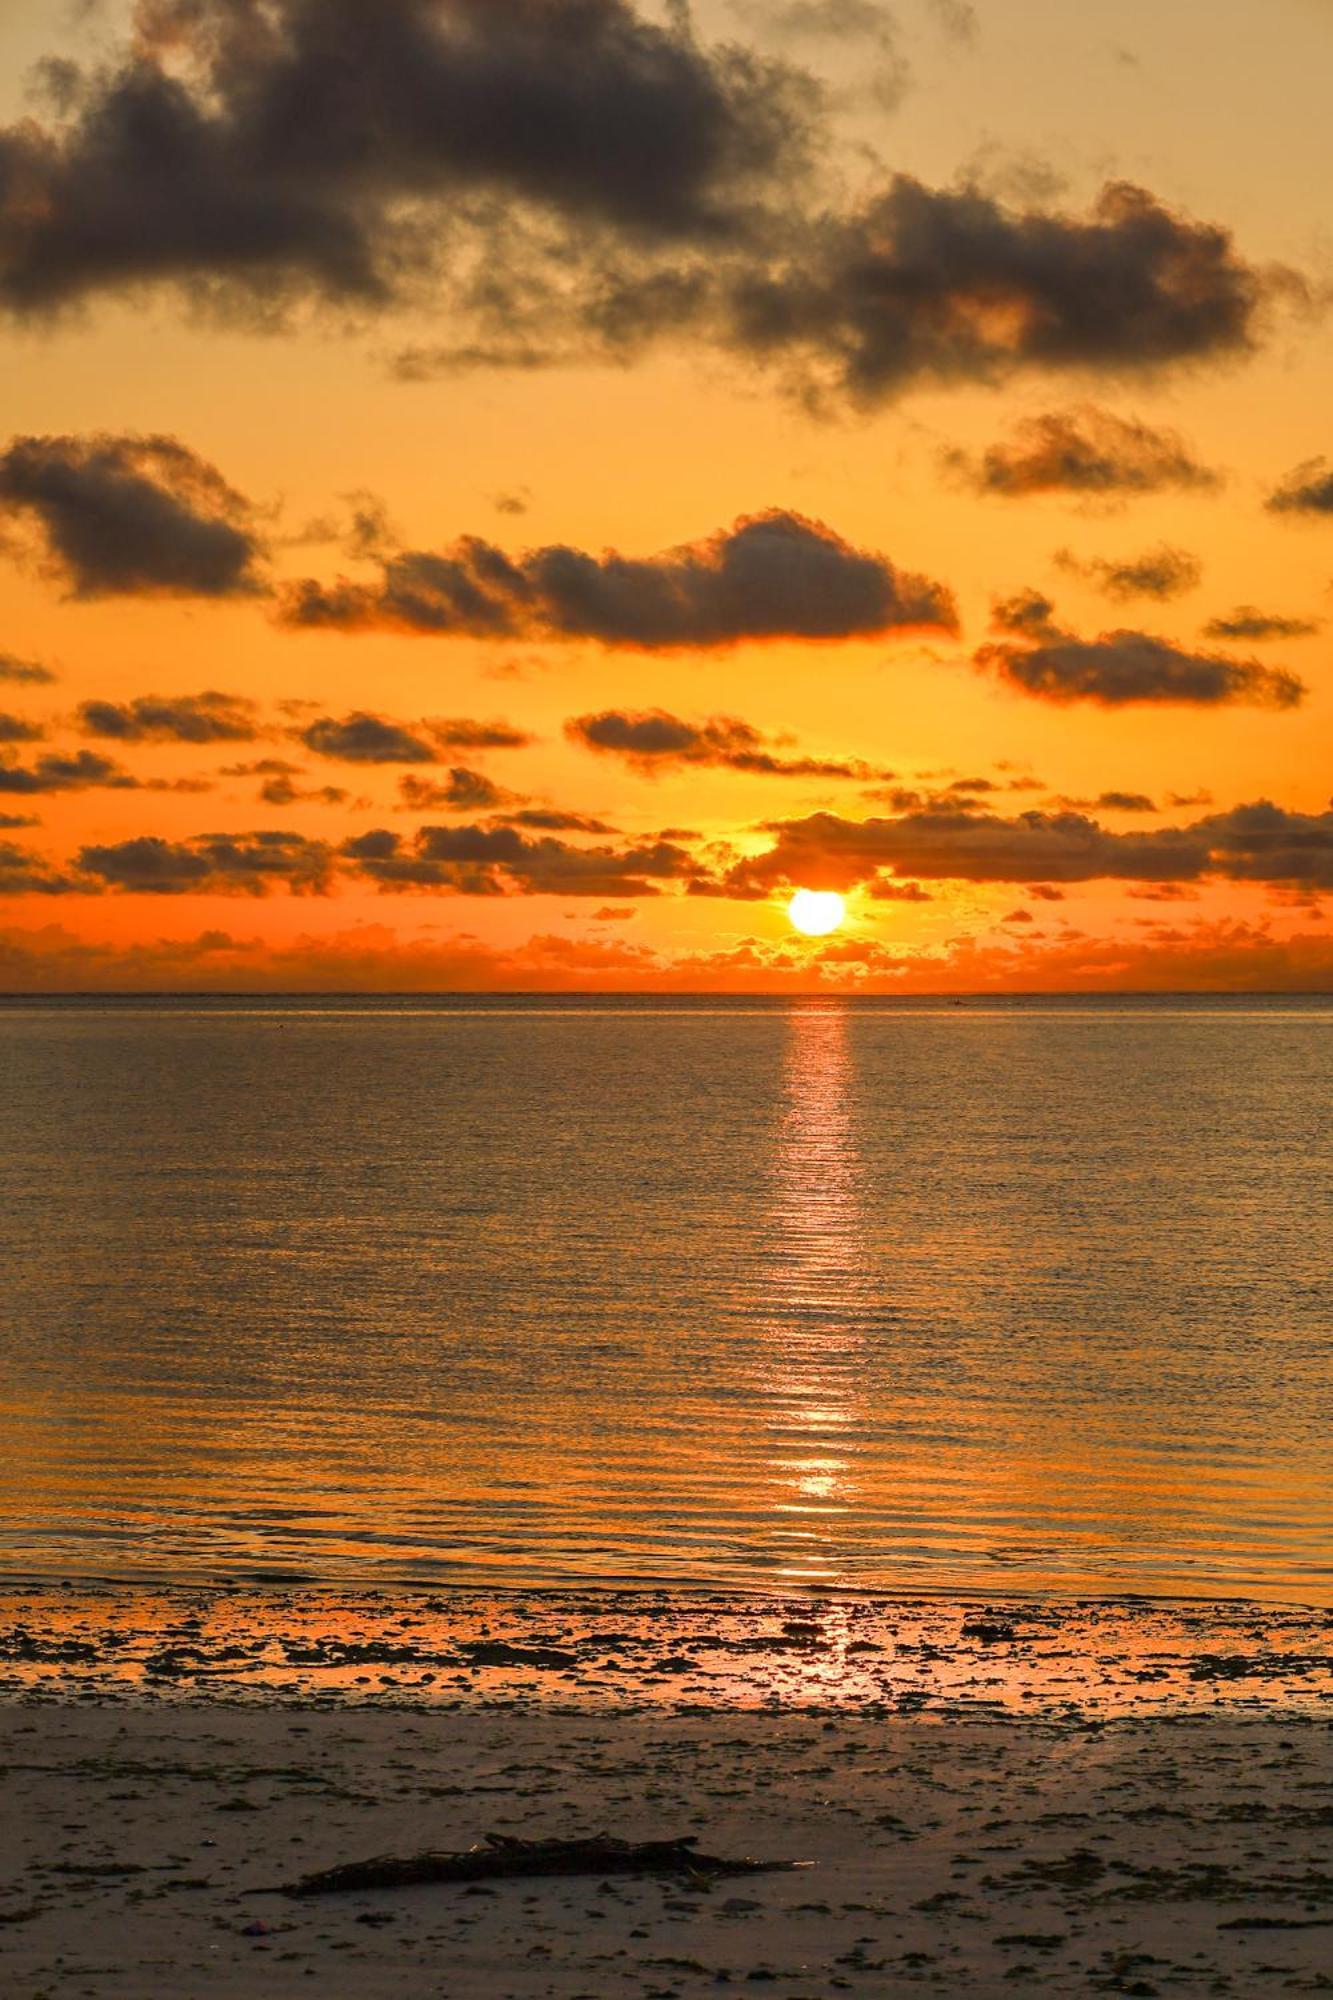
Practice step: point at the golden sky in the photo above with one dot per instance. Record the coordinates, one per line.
(499, 493)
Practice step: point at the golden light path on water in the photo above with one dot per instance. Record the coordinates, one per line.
(817, 1276)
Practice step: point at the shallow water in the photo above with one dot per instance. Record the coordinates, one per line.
(1031, 1297)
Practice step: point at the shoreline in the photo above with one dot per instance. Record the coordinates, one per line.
(618, 1650)
(995, 1796)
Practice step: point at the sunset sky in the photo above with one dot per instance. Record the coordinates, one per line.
(497, 494)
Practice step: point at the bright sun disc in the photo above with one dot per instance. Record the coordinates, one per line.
(816, 912)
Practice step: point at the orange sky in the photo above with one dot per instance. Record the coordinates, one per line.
(931, 463)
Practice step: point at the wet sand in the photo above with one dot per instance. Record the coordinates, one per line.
(997, 1798)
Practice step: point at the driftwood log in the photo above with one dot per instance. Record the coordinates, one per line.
(501, 1857)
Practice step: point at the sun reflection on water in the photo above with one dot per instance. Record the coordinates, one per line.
(815, 1271)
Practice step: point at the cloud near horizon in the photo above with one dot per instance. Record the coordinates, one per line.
(1259, 842)
(498, 860)
(1206, 956)
(519, 853)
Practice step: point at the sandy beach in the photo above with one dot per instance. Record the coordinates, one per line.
(1117, 1798)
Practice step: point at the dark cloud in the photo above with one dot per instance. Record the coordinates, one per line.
(249, 864)
(11, 822)
(501, 860)
(1086, 451)
(1248, 622)
(126, 516)
(1260, 842)
(549, 819)
(1126, 802)
(918, 286)
(284, 791)
(362, 738)
(936, 844)
(210, 717)
(950, 285)
(1121, 667)
(461, 790)
(331, 149)
(18, 729)
(1161, 573)
(460, 732)
(652, 740)
(773, 575)
(280, 786)
(566, 178)
(25, 672)
(80, 772)
(885, 889)
(1263, 842)
(1306, 490)
(23, 873)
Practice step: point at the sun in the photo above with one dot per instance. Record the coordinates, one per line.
(816, 912)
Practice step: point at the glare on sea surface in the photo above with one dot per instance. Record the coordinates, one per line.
(816, 912)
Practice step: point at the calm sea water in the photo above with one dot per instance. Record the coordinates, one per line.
(1028, 1296)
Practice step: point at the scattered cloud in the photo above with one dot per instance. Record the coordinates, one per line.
(1225, 956)
(365, 738)
(773, 575)
(131, 516)
(501, 860)
(1306, 490)
(320, 149)
(1087, 452)
(951, 285)
(24, 672)
(1248, 622)
(552, 819)
(1125, 802)
(248, 864)
(461, 732)
(1259, 842)
(461, 790)
(23, 873)
(654, 741)
(1040, 658)
(18, 729)
(79, 771)
(362, 738)
(1159, 573)
(210, 717)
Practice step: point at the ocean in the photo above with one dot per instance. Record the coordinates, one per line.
(1014, 1296)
